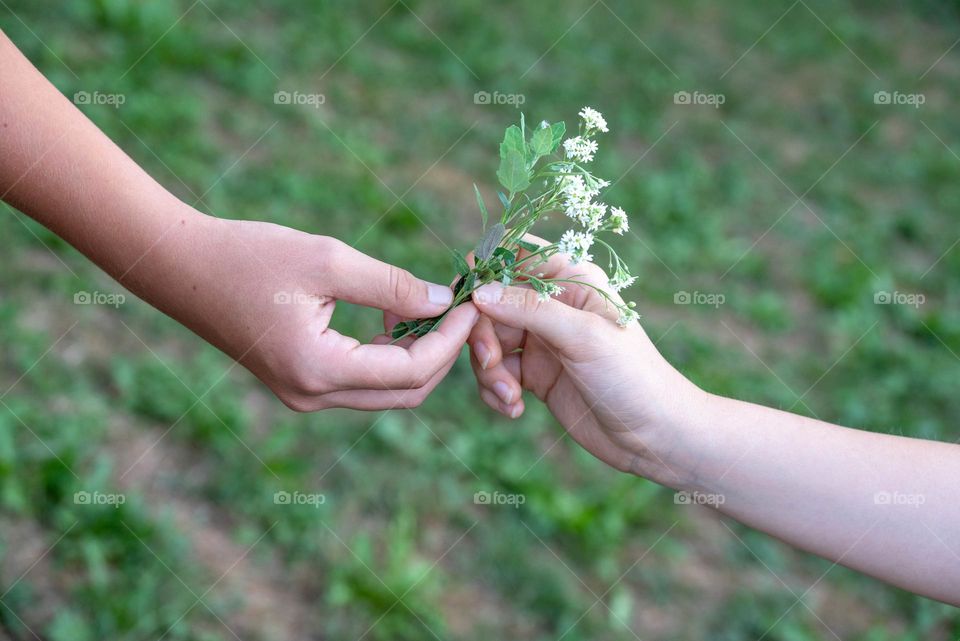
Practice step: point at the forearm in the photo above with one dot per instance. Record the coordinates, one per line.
(884, 505)
(59, 168)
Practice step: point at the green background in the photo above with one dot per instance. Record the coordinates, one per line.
(399, 550)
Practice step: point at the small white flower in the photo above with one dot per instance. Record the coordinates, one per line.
(580, 148)
(618, 221)
(627, 317)
(621, 280)
(573, 187)
(568, 242)
(594, 184)
(581, 257)
(593, 119)
(576, 245)
(549, 289)
(575, 197)
(592, 216)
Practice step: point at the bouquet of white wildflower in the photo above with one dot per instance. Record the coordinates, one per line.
(529, 158)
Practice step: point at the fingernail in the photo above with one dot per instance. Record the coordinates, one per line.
(489, 294)
(516, 410)
(439, 295)
(504, 391)
(483, 355)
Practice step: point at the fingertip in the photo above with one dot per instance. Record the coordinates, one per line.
(516, 410)
(490, 400)
(439, 295)
(483, 354)
(488, 294)
(485, 343)
(461, 319)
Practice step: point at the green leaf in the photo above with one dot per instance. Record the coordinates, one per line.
(460, 263)
(481, 205)
(469, 282)
(557, 130)
(490, 241)
(512, 141)
(526, 244)
(541, 143)
(503, 200)
(513, 173)
(401, 329)
(505, 255)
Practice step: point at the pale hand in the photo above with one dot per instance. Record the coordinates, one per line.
(607, 385)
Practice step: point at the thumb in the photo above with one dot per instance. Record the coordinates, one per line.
(557, 323)
(360, 279)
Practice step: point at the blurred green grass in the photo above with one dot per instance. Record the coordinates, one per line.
(399, 550)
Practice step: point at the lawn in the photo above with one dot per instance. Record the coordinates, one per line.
(795, 233)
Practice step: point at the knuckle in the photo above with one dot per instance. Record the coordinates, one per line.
(414, 400)
(400, 284)
(330, 253)
(421, 379)
(531, 301)
(305, 382)
(297, 403)
(594, 328)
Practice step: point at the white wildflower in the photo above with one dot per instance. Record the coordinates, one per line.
(621, 280)
(576, 244)
(618, 221)
(593, 119)
(594, 184)
(575, 197)
(627, 317)
(573, 187)
(549, 289)
(580, 148)
(592, 216)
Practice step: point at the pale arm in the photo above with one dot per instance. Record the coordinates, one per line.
(885, 505)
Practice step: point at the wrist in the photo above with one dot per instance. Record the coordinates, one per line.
(171, 264)
(675, 448)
